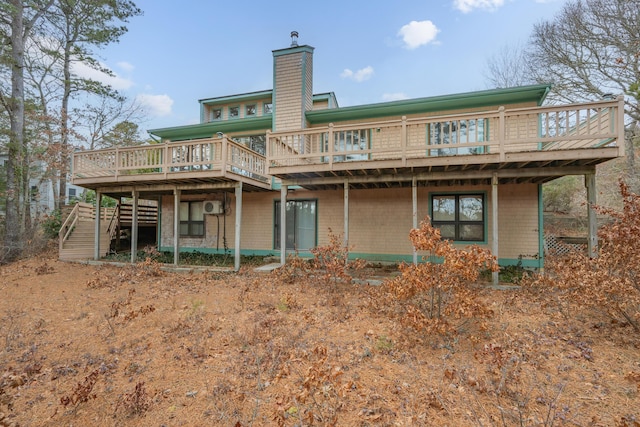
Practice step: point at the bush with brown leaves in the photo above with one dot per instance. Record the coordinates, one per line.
(427, 296)
(609, 283)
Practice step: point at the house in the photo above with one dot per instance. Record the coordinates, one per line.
(41, 189)
(473, 162)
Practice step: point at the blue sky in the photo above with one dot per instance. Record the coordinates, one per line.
(365, 51)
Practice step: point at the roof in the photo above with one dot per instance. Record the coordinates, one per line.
(467, 100)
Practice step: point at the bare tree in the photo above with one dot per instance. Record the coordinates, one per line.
(508, 68)
(591, 49)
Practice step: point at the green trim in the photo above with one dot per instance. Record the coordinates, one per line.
(540, 228)
(442, 103)
(290, 50)
(207, 130)
(485, 214)
(249, 96)
(259, 252)
(526, 263)
(303, 87)
(238, 117)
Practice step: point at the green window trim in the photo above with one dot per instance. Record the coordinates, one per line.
(234, 112)
(250, 110)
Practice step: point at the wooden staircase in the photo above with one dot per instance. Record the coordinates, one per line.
(77, 234)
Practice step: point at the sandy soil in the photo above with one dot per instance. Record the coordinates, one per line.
(109, 346)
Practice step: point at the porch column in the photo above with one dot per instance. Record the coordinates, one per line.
(238, 225)
(414, 198)
(96, 246)
(494, 223)
(283, 224)
(176, 226)
(134, 226)
(592, 220)
(346, 214)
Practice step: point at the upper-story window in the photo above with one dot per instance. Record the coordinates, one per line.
(457, 133)
(216, 114)
(267, 108)
(250, 110)
(234, 112)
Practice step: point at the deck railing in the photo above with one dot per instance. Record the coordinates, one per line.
(212, 154)
(535, 129)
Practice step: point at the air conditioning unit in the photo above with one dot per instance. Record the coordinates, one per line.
(213, 207)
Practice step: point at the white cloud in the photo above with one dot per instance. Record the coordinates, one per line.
(466, 6)
(359, 76)
(125, 66)
(397, 96)
(156, 105)
(115, 81)
(418, 33)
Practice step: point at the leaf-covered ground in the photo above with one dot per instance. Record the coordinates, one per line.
(109, 346)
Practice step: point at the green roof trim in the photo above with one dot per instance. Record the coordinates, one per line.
(206, 130)
(294, 49)
(484, 98)
(249, 96)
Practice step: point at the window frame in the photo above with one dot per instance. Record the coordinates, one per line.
(276, 224)
(267, 108)
(231, 108)
(213, 113)
(191, 222)
(456, 222)
(246, 110)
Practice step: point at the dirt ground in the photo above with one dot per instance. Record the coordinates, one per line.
(109, 346)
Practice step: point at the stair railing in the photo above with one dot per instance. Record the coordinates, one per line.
(114, 223)
(68, 226)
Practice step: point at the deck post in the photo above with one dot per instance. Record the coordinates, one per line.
(176, 226)
(414, 198)
(238, 225)
(619, 123)
(283, 224)
(96, 246)
(346, 213)
(592, 220)
(494, 224)
(134, 226)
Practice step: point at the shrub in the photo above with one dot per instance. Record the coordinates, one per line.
(51, 224)
(430, 294)
(611, 281)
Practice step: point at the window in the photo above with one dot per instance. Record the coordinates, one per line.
(250, 110)
(458, 132)
(267, 108)
(301, 224)
(349, 141)
(72, 195)
(459, 217)
(34, 193)
(234, 112)
(216, 114)
(257, 143)
(191, 219)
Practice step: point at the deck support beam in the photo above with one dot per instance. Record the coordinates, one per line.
(346, 214)
(592, 220)
(283, 224)
(238, 225)
(414, 198)
(134, 226)
(176, 226)
(96, 246)
(494, 224)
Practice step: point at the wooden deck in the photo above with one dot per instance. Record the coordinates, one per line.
(517, 145)
(213, 161)
(526, 144)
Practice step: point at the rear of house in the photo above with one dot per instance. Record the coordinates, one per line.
(473, 162)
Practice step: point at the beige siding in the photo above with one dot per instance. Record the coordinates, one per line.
(379, 219)
(321, 105)
(288, 92)
(518, 217)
